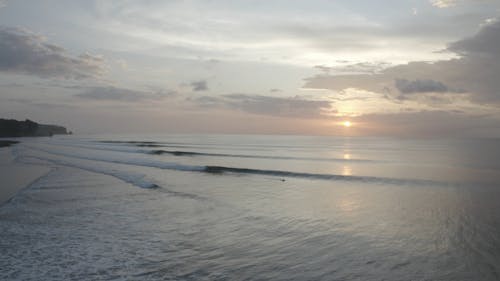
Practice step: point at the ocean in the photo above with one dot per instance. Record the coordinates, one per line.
(238, 207)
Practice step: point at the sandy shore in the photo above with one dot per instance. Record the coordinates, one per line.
(14, 176)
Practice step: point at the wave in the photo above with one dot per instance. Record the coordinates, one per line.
(136, 179)
(136, 143)
(92, 146)
(193, 153)
(232, 146)
(128, 177)
(336, 177)
(174, 144)
(120, 160)
(131, 142)
(222, 170)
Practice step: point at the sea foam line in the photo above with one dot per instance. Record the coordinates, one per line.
(180, 153)
(135, 179)
(236, 170)
(194, 153)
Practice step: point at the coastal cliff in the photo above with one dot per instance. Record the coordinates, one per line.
(10, 128)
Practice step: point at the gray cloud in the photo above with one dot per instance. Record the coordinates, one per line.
(25, 52)
(119, 94)
(199, 86)
(265, 105)
(485, 42)
(420, 86)
(475, 72)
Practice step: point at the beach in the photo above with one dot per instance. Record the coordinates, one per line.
(16, 176)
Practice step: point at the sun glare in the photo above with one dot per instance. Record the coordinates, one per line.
(347, 124)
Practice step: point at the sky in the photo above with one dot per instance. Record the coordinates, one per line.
(408, 68)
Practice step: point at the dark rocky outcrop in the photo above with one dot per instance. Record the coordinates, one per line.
(6, 143)
(10, 128)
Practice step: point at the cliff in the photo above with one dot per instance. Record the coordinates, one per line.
(12, 128)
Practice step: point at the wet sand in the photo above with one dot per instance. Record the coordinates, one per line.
(15, 176)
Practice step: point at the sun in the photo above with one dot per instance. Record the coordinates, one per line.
(347, 124)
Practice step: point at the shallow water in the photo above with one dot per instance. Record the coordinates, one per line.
(254, 208)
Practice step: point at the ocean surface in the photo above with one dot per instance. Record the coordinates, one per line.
(207, 207)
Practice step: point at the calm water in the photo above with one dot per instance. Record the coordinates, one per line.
(254, 208)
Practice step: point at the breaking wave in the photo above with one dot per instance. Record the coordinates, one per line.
(139, 181)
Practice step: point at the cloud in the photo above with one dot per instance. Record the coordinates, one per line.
(24, 52)
(356, 68)
(474, 72)
(120, 94)
(485, 43)
(451, 3)
(122, 63)
(295, 107)
(420, 86)
(199, 86)
(3, 3)
(249, 33)
(443, 3)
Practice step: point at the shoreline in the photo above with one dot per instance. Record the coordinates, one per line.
(15, 176)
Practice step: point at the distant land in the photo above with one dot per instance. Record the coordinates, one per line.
(10, 128)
